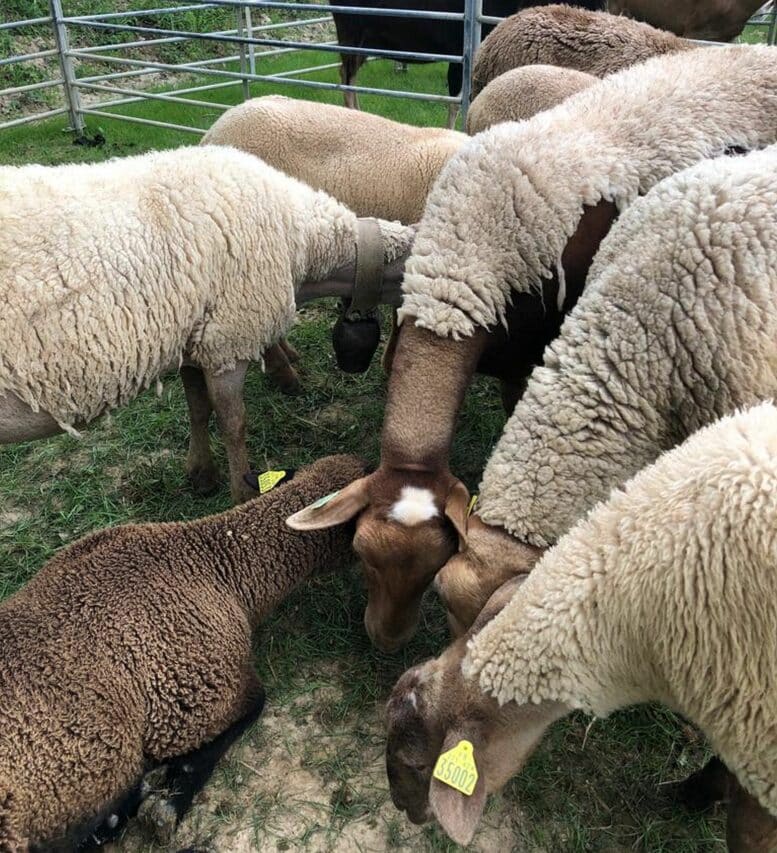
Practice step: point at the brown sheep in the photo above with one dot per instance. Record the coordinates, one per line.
(131, 649)
(717, 20)
(593, 42)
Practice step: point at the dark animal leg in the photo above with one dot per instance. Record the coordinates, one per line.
(187, 774)
(455, 79)
(289, 351)
(702, 789)
(200, 467)
(226, 396)
(750, 828)
(349, 67)
(277, 366)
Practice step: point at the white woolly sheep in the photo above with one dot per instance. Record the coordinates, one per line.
(593, 42)
(514, 204)
(117, 272)
(522, 92)
(668, 593)
(677, 326)
(132, 649)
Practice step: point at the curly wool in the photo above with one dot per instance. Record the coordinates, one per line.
(375, 166)
(594, 42)
(665, 593)
(519, 94)
(677, 327)
(111, 274)
(131, 645)
(506, 204)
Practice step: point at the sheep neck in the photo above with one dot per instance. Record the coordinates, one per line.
(258, 565)
(429, 377)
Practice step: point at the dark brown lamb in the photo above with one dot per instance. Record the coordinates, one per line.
(594, 42)
(131, 649)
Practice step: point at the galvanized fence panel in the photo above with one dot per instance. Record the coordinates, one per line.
(250, 43)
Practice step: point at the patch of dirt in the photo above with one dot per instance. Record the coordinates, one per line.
(300, 782)
(10, 518)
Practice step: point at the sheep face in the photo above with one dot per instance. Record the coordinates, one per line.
(431, 709)
(490, 558)
(404, 535)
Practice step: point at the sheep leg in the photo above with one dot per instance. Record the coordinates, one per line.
(702, 789)
(289, 351)
(750, 828)
(226, 396)
(277, 366)
(187, 775)
(200, 467)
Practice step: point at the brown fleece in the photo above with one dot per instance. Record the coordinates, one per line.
(569, 37)
(133, 645)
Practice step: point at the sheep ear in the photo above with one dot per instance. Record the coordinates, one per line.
(456, 511)
(457, 813)
(333, 509)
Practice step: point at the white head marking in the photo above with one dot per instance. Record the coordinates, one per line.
(414, 506)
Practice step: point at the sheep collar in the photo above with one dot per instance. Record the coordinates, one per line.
(368, 279)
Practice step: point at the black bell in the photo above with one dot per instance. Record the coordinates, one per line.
(354, 340)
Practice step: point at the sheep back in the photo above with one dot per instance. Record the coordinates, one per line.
(523, 92)
(506, 204)
(375, 166)
(594, 42)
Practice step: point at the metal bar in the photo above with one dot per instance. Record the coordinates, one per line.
(105, 16)
(472, 11)
(243, 52)
(297, 71)
(300, 45)
(249, 25)
(28, 23)
(97, 49)
(27, 119)
(68, 72)
(139, 98)
(154, 96)
(267, 78)
(26, 57)
(137, 120)
(301, 7)
(31, 87)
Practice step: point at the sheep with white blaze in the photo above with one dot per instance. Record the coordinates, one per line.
(676, 328)
(502, 253)
(665, 593)
(114, 273)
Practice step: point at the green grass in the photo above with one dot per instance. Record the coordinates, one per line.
(584, 790)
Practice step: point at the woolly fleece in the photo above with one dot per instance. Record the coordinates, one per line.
(506, 204)
(668, 592)
(134, 644)
(593, 42)
(113, 273)
(676, 327)
(375, 166)
(522, 93)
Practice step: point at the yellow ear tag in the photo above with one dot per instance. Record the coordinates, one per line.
(456, 768)
(269, 480)
(325, 500)
(472, 501)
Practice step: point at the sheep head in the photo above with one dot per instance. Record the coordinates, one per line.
(404, 535)
(432, 709)
(489, 559)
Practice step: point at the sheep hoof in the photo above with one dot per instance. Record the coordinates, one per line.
(159, 818)
(204, 481)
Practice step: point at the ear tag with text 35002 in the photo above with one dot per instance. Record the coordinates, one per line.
(456, 768)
